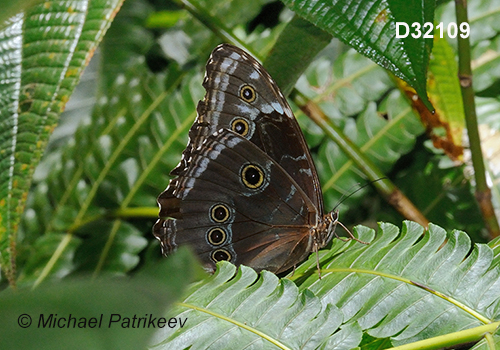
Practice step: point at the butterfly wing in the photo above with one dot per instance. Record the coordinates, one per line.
(236, 203)
(241, 96)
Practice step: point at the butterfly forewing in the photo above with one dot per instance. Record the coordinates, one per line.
(271, 124)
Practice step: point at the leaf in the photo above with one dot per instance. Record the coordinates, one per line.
(417, 49)
(126, 43)
(403, 287)
(407, 286)
(45, 51)
(370, 27)
(444, 92)
(486, 65)
(78, 313)
(489, 131)
(164, 19)
(241, 311)
(119, 159)
(213, 21)
(117, 252)
(11, 8)
(297, 45)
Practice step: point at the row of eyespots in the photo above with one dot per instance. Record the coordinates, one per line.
(240, 125)
(217, 236)
(252, 177)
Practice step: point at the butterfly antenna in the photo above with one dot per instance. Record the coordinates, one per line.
(345, 196)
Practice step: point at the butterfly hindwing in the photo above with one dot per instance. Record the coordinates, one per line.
(236, 201)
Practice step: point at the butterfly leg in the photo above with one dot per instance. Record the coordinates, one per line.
(350, 234)
(316, 250)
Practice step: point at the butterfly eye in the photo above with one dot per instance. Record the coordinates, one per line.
(219, 213)
(221, 254)
(240, 126)
(247, 93)
(216, 236)
(252, 176)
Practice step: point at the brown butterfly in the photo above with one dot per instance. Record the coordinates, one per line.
(246, 189)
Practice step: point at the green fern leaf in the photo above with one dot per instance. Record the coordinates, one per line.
(410, 285)
(244, 311)
(404, 287)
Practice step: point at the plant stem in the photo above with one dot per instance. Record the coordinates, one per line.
(483, 192)
(451, 340)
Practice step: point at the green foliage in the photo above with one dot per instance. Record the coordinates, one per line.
(359, 84)
(44, 52)
(89, 207)
(370, 26)
(112, 164)
(262, 312)
(299, 43)
(404, 287)
(84, 299)
(484, 19)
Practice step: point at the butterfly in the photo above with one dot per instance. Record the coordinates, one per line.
(246, 189)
